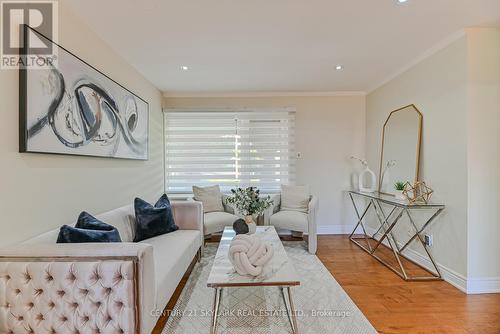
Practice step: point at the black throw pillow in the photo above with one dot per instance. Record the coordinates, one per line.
(88, 229)
(151, 221)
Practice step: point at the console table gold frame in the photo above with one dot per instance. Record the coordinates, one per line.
(386, 226)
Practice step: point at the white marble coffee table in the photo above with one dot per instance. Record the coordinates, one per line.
(278, 272)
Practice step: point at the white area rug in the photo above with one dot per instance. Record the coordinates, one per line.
(322, 305)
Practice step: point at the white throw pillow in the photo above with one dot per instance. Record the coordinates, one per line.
(211, 197)
(295, 198)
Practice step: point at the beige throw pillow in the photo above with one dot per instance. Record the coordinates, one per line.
(211, 197)
(295, 198)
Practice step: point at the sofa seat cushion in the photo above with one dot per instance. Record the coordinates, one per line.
(172, 253)
(290, 220)
(216, 221)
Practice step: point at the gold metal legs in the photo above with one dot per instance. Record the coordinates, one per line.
(290, 309)
(215, 309)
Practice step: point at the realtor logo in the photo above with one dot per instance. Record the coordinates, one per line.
(37, 51)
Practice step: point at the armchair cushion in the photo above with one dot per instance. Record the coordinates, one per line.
(211, 197)
(290, 220)
(295, 198)
(216, 221)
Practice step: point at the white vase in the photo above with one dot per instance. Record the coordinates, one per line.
(363, 186)
(252, 227)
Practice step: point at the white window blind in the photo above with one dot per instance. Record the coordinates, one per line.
(231, 149)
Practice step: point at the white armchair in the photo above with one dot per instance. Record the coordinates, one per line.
(294, 221)
(214, 222)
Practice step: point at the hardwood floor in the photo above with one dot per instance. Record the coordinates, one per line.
(393, 305)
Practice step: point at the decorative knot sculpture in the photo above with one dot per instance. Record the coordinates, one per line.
(249, 254)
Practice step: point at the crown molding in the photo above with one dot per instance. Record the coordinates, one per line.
(259, 94)
(433, 50)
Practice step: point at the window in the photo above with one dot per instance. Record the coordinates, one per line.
(229, 148)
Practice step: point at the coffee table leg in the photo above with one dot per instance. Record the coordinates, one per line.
(215, 309)
(290, 309)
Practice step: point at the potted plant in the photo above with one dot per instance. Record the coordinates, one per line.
(399, 186)
(247, 202)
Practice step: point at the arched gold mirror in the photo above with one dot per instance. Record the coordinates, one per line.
(400, 155)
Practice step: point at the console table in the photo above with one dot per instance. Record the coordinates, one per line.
(386, 223)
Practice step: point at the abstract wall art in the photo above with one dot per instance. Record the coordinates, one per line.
(72, 108)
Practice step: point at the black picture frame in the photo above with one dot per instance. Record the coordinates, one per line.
(24, 100)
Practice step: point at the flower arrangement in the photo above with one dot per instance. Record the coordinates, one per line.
(247, 201)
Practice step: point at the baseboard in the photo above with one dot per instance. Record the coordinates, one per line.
(483, 285)
(457, 280)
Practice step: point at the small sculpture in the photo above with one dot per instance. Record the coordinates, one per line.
(419, 192)
(372, 187)
(249, 254)
(240, 227)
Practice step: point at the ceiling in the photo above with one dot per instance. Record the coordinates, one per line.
(277, 45)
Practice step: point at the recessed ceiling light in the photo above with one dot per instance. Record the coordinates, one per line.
(184, 68)
(402, 1)
(338, 67)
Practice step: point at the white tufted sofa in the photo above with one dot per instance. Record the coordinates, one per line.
(97, 288)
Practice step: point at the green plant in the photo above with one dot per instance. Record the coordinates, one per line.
(399, 185)
(247, 201)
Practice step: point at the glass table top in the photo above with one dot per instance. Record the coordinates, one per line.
(390, 199)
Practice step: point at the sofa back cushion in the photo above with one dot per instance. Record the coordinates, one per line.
(295, 198)
(123, 219)
(210, 197)
(49, 237)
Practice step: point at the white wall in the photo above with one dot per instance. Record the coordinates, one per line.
(458, 91)
(41, 192)
(437, 87)
(329, 130)
(484, 157)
